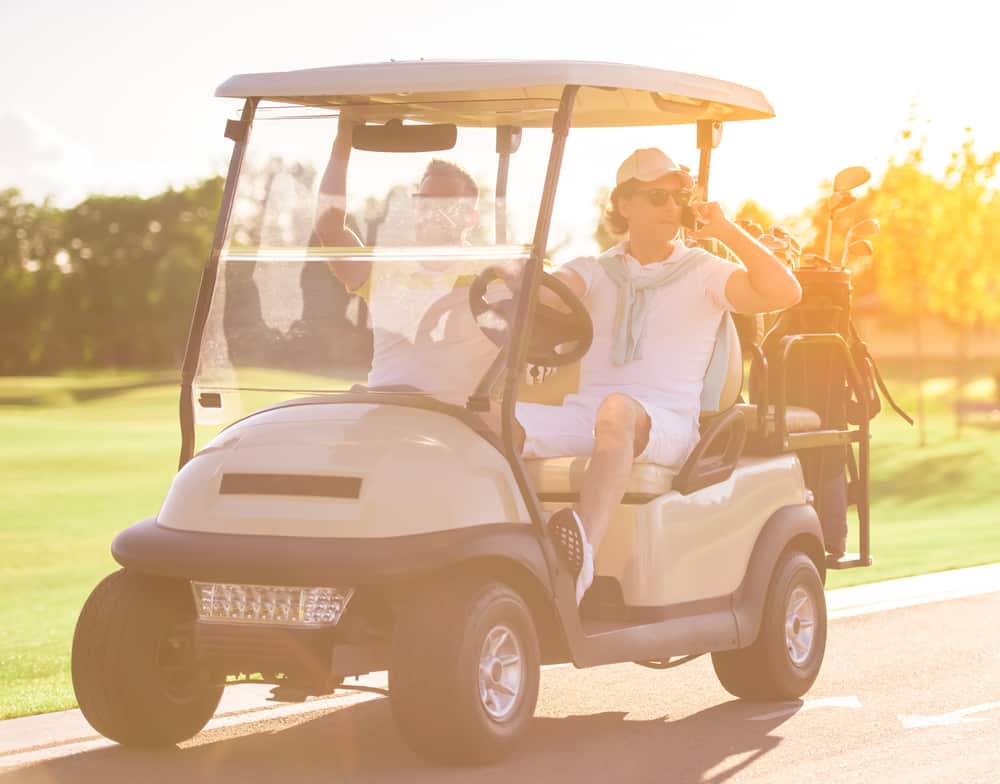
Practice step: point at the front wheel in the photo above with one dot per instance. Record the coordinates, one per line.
(134, 671)
(464, 670)
(784, 661)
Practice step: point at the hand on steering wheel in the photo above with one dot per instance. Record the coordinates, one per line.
(555, 337)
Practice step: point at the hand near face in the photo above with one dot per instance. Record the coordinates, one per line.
(711, 216)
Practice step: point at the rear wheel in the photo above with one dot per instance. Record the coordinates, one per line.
(784, 661)
(134, 671)
(464, 672)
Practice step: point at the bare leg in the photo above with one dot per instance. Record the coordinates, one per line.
(621, 433)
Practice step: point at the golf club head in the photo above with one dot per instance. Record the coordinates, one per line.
(782, 233)
(869, 227)
(850, 178)
(771, 242)
(777, 246)
(841, 200)
(859, 249)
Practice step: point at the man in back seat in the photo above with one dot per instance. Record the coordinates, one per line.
(656, 306)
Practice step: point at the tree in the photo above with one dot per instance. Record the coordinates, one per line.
(605, 239)
(912, 248)
(31, 281)
(968, 288)
(108, 283)
(751, 210)
(135, 266)
(935, 253)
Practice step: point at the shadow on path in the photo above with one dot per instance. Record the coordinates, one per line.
(360, 744)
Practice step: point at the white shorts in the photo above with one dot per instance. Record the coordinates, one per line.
(568, 431)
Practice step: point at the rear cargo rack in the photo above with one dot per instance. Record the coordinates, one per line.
(780, 440)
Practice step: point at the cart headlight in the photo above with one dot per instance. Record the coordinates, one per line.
(271, 604)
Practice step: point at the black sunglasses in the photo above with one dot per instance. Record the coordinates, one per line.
(658, 197)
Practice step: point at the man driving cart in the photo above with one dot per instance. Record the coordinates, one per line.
(656, 306)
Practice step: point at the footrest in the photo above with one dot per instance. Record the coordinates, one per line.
(846, 561)
(603, 601)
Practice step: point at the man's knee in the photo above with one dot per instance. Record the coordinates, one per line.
(620, 416)
(617, 410)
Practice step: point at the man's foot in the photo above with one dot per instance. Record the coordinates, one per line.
(566, 530)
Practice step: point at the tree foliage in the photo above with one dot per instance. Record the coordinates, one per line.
(751, 210)
(110, 282)
(604, 238)
(936, 255)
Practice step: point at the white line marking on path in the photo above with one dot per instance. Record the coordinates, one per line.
(947, 719)
(234, 720)
(822, 702)
(264, 713)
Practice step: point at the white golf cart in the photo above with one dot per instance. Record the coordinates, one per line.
(354, 514)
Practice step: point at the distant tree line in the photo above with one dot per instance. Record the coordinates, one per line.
(110, 282)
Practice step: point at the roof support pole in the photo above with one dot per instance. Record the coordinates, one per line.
(705, 145)
(500, 206)
(508, 142)
(517, 350)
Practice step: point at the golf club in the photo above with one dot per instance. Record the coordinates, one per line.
(858, 249)
(843, 182)
(868, 227)
(794, 246)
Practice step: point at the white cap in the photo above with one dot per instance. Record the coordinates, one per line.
(648, 164)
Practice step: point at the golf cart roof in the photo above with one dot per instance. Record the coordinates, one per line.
(525, 93)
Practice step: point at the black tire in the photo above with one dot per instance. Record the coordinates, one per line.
(767, 670)
(133, 671)
(434, 670)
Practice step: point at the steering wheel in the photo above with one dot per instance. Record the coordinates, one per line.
(555, 337)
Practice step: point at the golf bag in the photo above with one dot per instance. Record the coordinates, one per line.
(817, 378)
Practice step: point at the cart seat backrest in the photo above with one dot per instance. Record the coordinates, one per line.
(721, 389)
(724, 376)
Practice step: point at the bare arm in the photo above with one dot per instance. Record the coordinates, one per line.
(329, 227)
(766, 284)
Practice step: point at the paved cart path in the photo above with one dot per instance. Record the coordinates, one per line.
(908, 692)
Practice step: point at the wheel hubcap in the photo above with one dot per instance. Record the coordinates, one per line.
(501, 672)
(800, 626)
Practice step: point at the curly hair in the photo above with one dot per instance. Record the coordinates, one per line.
(441, 168)
(613, 221)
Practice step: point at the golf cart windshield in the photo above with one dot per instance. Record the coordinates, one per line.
(296, 310)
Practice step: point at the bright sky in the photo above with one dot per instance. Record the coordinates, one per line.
(117, 96)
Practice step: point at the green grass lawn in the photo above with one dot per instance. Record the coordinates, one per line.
(84, 456)
(934, 507)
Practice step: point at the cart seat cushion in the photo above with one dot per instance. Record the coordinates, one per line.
(797, 419)
(565, 475)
